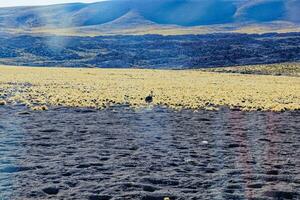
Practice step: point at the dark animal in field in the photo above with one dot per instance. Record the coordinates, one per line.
(149, 98)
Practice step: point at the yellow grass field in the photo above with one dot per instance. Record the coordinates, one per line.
(279, 69)
(99, 88)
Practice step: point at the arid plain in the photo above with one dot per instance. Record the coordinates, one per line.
(178, 89)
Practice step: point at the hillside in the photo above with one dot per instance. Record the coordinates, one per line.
(159, 17)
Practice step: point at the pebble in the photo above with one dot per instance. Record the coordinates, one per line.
(204, 142)
(51, 190)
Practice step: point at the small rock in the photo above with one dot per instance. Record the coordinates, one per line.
(272, 172)
(51, 190)
(204, 142)
(234, 187)
(23, 113)
(157, 197)
(99, 197)
(281, 194)
(191, 161)
(149, 188)
(255, 185)
(233, 145)
(210, 170)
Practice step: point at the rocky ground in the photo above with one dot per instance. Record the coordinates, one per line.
(149, 51)
(149, 154)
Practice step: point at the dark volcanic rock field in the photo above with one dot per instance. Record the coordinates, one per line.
(148, 154)
(150, 51)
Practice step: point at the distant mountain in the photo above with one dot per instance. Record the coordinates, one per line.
(175, 12)
(151, 33)
(130, 19)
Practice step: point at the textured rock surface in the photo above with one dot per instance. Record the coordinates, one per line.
(148, 154)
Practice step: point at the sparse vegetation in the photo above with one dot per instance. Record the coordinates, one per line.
(166, 30)
(2, 103)
(283, 69)
(100, 88)
(39, 108)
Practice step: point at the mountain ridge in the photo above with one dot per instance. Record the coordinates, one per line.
(166, 17)
(131, 18)
(174, 12)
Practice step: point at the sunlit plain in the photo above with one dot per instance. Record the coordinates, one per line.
(100, 88)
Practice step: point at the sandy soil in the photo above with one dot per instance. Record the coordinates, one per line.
(148, 154)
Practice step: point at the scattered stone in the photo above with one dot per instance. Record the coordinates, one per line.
(210, 170)
(233, 145)
(232, 196)
(36, 194)
(235, 108)
(264, 140)
(234, 186)
(2, 103)
(23, 113)
(272, 172)
(51, 190)
(149, 188)
(97, 165)
(230, 191)
(99, 197)
(191, 161)
(280, 194)
(51, 130)
(67, 174)
(157, 181)
(157, 197)
(255, 185)
(271, 178)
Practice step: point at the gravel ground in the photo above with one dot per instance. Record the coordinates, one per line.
(148, 154)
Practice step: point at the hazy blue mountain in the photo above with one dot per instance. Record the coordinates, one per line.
(177, 12)
(99, 13)
(189, 13)
(263, 11)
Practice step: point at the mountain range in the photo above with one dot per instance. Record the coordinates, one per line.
(148, 15)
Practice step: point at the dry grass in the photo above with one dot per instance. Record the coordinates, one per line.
(2, 103)
(104, 30)
(99, 88)
(282, 69)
